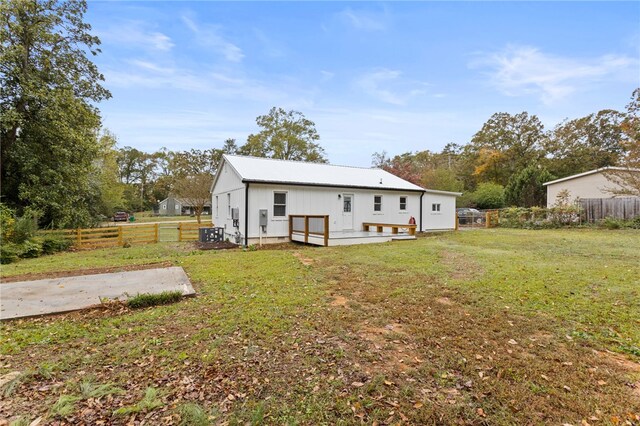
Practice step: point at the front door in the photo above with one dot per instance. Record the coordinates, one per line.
(347, 211)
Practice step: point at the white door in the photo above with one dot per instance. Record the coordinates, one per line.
(347, 211)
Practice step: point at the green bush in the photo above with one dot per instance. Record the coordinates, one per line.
(489, 195)
(540, 218)
(30, 249)
(7, 223)
(146, 299)
(9, 253)
(53, 244)
(25, 227)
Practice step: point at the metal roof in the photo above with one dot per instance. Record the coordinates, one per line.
(590, 172)
(268, 170)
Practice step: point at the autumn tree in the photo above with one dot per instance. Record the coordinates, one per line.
(194, 190)
(628, 178)
(48, 121)
(505, 145)
(287, 135)
(586, 143)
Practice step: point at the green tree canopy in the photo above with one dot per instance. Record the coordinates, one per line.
(287, 135)
(525, 188)
(489, 195)
(48, 121)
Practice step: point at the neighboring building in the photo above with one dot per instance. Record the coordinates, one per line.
(591, 184)
(350, 196)
(172, 206)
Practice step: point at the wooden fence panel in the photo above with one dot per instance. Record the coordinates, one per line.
(618, 208)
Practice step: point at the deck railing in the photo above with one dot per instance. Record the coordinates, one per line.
(411, 229)
(314, 225)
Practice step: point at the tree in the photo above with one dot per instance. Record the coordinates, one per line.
(107, 179)
(287, 135)
(586, 143)
(489, 195)
(628, 179)
(195, 190)
(442, 180)
(505, 145)
(525, 188)
(48, 124)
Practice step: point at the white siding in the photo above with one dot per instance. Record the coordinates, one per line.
(442, 219)
(595, 185)
(228, 186)
(318, 200)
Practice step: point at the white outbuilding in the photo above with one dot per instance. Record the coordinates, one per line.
(267, 201)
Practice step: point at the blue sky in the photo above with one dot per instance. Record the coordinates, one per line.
(373, 76)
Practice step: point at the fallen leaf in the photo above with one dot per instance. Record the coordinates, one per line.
(481, 412)
(512, 342)
(418, 405)
(357, 384)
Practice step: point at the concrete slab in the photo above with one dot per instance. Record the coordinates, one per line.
(31, 298)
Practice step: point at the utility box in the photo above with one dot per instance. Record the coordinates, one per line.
(235, 213)
(211, 235)
(263, 217)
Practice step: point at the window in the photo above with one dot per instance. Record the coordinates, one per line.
(435, 207)
(163, 206)
(228, 206)
(377, 203)
(346, 204)
(279, 204)
(217, 205)
(403, 203)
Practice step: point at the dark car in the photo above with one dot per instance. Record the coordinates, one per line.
(468, 216)
(121, 217)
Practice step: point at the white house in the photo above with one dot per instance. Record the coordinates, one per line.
(254, 198)
(591, 184)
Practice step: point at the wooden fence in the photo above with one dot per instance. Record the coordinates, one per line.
(595, 209)
(116, 236)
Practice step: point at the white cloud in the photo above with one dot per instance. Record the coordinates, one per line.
(364, 20)
(135, 34)
(208, 36)
(526, 70)
(387, 86)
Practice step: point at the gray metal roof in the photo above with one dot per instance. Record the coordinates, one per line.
(254, 169)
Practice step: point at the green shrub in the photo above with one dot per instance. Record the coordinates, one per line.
(146, 299)
(53, 244)
(9, 253)
(25, 227)
(192, 414)
(7, 223)
(489, 195)
(611, 223)
(30, 249)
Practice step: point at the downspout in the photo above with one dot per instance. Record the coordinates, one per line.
(421, 195)
(246, 214)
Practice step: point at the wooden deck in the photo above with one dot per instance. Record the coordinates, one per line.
(345, 238)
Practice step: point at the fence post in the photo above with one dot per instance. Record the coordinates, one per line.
(487, 220)
(120, 235)
(326, 231)
(78, 237)
(306, 229)
(457, 221)
(290, 227)
(180, 232)
(156, 231)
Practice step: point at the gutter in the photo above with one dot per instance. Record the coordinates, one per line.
(421, 195)
(246, 214)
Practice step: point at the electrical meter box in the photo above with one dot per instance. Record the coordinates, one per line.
(235, 213)
(263, 217)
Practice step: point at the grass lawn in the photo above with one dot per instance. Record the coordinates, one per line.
(474, 327)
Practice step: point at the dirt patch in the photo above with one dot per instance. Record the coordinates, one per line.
(218, 245)
(460, 266)
(304, 260)
(444, 301)
(394, 346)
(87, 271)
(619, 360)
(339, 301)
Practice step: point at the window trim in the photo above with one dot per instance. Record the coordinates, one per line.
(436, 207)
(228, 205)
(406, 203)
(380, 204)
(273, 205)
